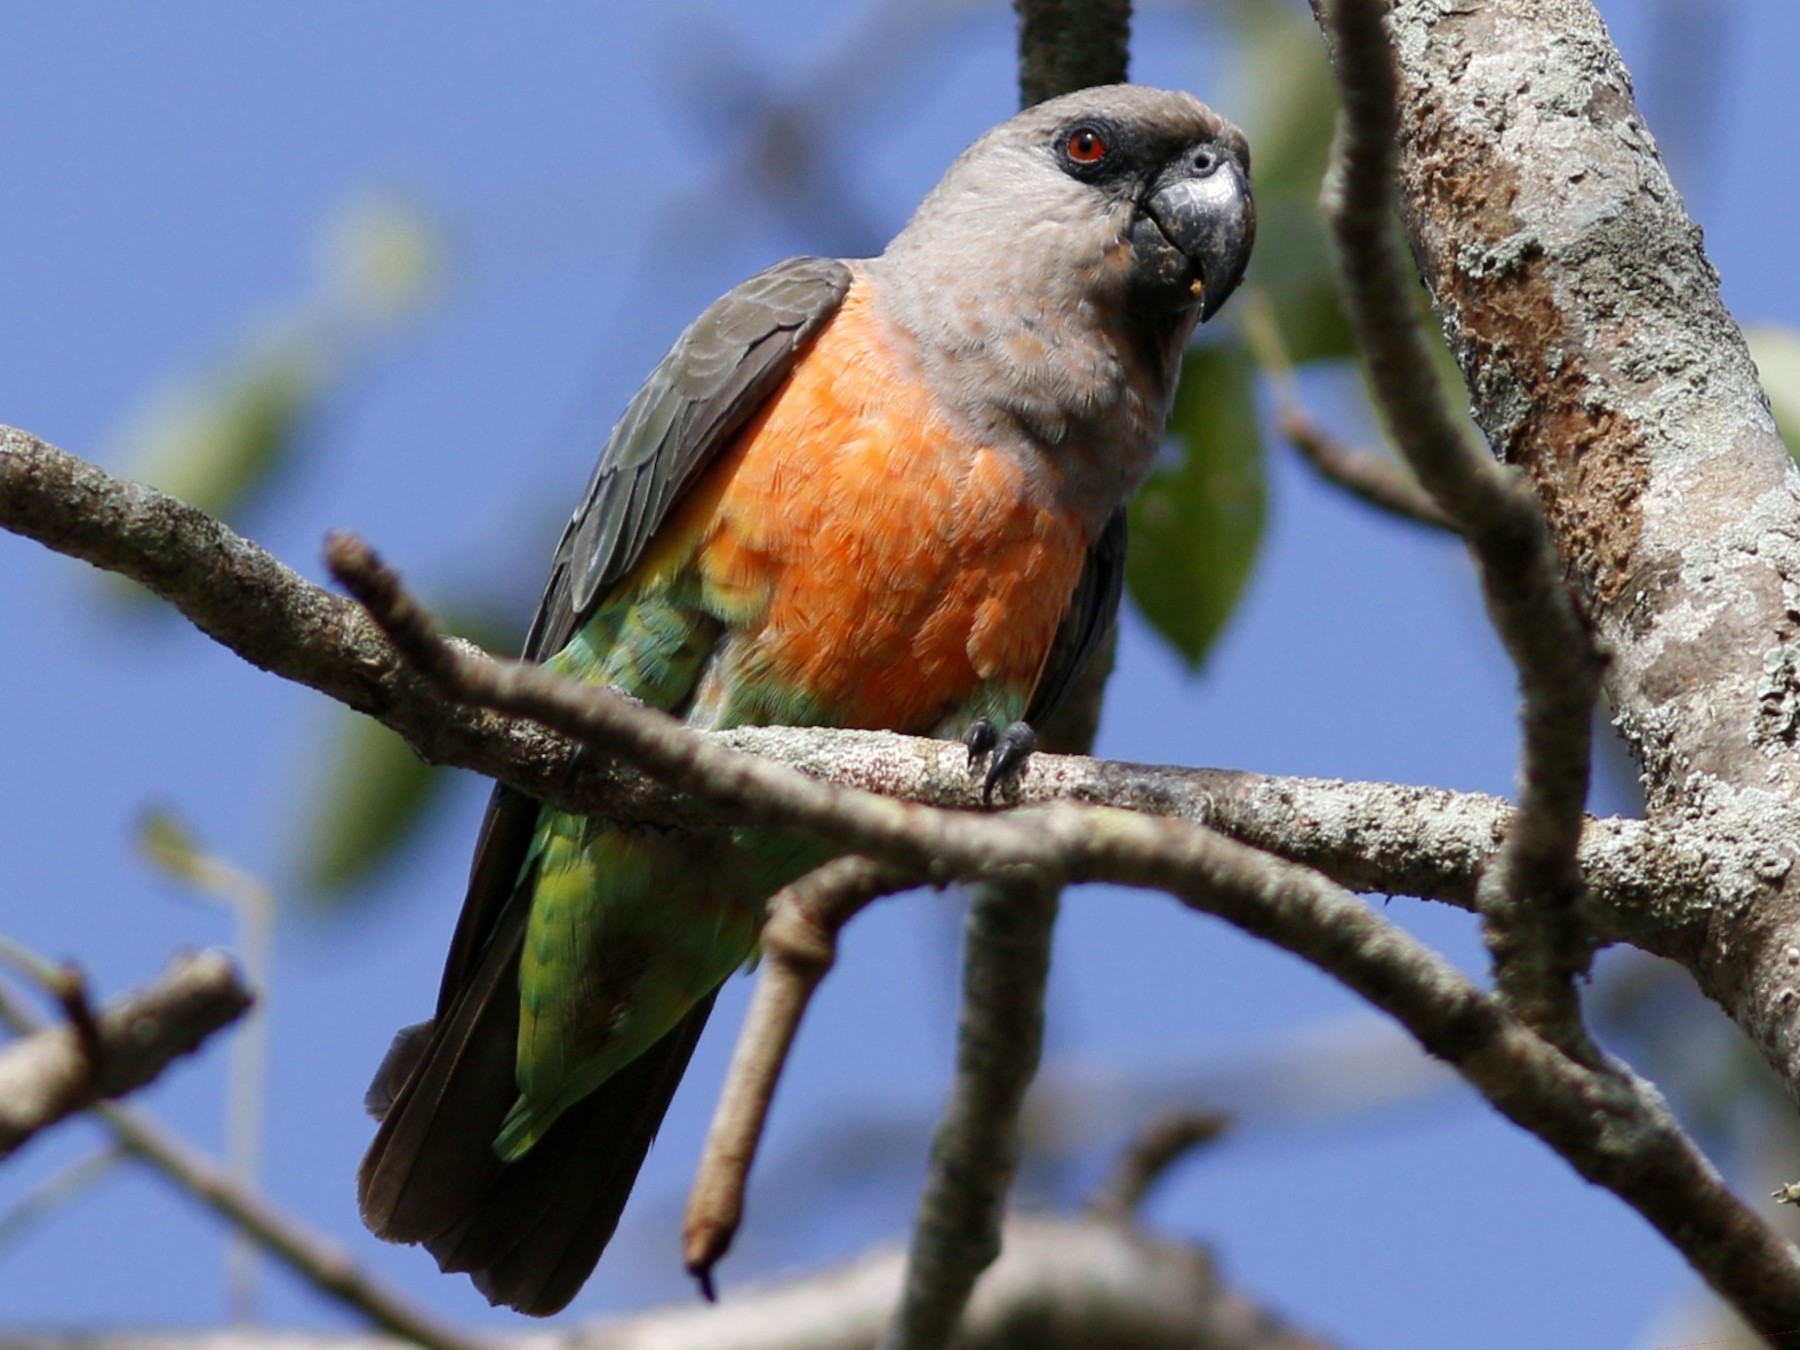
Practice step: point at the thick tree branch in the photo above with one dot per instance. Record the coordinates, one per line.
(55, 1072)
(1399, 840)
(1601, 360)
(1395, 839)
(1065, 45)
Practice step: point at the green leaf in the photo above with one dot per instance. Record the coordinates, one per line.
(375, 794)
(1196, 524)
(216, 442)
(1294, 268)
(1285, 98)
(385, 261)
(372, 792)
(1776, 350)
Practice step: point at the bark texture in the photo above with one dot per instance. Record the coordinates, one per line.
(1587, 320)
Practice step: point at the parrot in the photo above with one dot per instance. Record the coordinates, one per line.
(882, 493)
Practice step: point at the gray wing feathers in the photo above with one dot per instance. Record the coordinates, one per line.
(711, 383)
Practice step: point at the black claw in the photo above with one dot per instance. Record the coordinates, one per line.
(980, 738)
(1011, 751)
(577, 762)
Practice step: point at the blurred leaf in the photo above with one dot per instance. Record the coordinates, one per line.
(376, 793)
(168, 844)
(1285, 98)
(217, 438)
(1196, 525)
(384, 261)
(373, 792)
(216, 442)
(1294, 268)
(1776, 351)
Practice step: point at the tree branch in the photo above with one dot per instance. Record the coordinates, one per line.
(1601, 360)
(799, 945)
(1610, 1126)
(315, 1259)
(975, 1151)
(1367, 475)
(1064, 1284)
(1157, 1148)
(55, 1072)
(1399, 840)
(1065, 45)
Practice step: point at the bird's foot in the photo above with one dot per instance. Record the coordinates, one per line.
(583, 756)
(1011, 748)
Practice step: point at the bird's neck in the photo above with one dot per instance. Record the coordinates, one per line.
(1067, 379)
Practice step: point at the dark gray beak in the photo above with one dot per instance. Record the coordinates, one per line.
(1201, 202)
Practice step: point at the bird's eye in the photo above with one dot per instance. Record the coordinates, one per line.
(1085, 146)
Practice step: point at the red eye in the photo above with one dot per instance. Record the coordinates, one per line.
(1085, 146)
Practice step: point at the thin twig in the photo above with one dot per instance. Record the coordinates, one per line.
(1539, 945)
(799, 945)
(58, 1189)
(1612, 1127)
(57, 1071)
(251, 900)
(314, 1258)
(1158, 1147)
(975, 1152)
(1368, 475)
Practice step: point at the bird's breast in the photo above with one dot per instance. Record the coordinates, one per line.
(873, 566)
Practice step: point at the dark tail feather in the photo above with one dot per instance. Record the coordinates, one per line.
(534, 1235)
(433, 1156)
(531, 1231)
(404, 1055)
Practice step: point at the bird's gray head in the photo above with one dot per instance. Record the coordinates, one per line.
(1120, 186)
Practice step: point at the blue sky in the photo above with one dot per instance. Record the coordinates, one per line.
(171, 173)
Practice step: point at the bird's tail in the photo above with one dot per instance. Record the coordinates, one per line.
(528, 1232)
